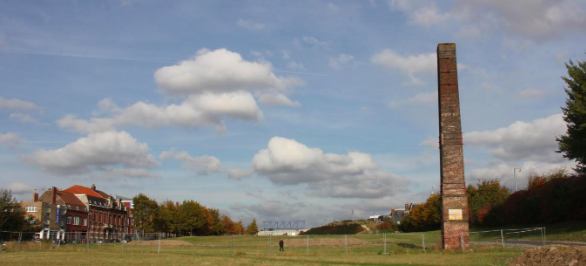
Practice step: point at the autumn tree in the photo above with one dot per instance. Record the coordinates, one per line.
(483, 197)
(217, 227)
(573, 144)
(192, 217)
(228, 225)
(144, 211)
(252, 228)
(11, 215)
(425, 217)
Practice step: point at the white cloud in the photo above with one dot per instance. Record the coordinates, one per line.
(204, 165)
(11, 139)
(24, 118)
(531, 93)
(250, 25)
(277, 99)
(341, 61)
(16, 104)
(419, 98)
(221, 71)
(428, 16)
(287, 162)
(205, 110)
(97, 150)
(504, 172)
(296, 66)
(522, 140)
(315, 43)
(19, 188)
(529, 19)
(411, 65)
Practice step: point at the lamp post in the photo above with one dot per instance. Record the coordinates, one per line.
(515, 176)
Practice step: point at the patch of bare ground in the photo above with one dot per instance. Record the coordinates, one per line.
(156, 243)
(323, 242)
(552, 255)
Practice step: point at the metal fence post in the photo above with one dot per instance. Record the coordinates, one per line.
(423, 241)
(544, 236)
(159, 251)
(502, 239)
(462, 241)
(385, 243)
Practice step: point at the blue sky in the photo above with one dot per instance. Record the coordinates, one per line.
(277, 110)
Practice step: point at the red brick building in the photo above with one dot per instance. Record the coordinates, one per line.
(108, 218)
(74, 217)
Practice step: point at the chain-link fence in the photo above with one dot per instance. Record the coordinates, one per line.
(381, 243)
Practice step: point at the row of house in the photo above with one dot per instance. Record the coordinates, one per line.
(79, 214)
(396, 214)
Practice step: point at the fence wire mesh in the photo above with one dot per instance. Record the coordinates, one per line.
(380, 243)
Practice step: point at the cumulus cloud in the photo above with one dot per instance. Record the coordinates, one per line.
(205, 110)
(17, 188)
(522, 140)
(312, 42)
(204, 165)
(250, 25)
(16, 104)
(24, 118)
(341, 61)
(529, 19)
(504, 172)
(419, 98)
(277, 99)
(221, 71)
(11, 139)
(296, 66)
(288, 162)
(97, 150)
(411, 65)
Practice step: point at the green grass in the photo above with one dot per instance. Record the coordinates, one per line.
(568, 231)
(251, 250)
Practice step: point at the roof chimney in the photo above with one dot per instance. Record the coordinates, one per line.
(94, 187)
(406, 206)
(35, 196)
(54, 195)
(392, 213)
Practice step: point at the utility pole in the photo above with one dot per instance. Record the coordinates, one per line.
(515, 176)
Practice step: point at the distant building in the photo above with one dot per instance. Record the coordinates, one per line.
(48, 214)
(73, 214)
(108, 218)
(398, 214)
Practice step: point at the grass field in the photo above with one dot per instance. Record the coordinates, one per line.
(402, 249)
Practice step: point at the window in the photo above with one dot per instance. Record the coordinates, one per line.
(85, 208)
(77, 207)
(84, 221)
(68, 206)
(76, 220)
(68, 219)
(31, 208)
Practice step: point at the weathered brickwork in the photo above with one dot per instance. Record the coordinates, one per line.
(453, 186)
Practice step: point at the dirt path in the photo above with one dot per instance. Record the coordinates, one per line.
(552, 255)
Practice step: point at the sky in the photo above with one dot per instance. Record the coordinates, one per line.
(278, 110)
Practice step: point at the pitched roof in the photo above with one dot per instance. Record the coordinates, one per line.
(69, 198)
(77, 189)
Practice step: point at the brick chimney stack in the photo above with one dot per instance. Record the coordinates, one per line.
(94, 187)
(393, 213)
(35, 196)
(54, 195)
(406, 206)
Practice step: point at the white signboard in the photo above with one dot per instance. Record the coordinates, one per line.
(455, 215)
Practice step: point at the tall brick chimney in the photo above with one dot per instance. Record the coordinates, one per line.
(35, 196)
(54, 195)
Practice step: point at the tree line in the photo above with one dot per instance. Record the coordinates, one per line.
(185, 218)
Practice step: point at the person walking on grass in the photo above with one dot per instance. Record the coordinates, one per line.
(281, 245)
